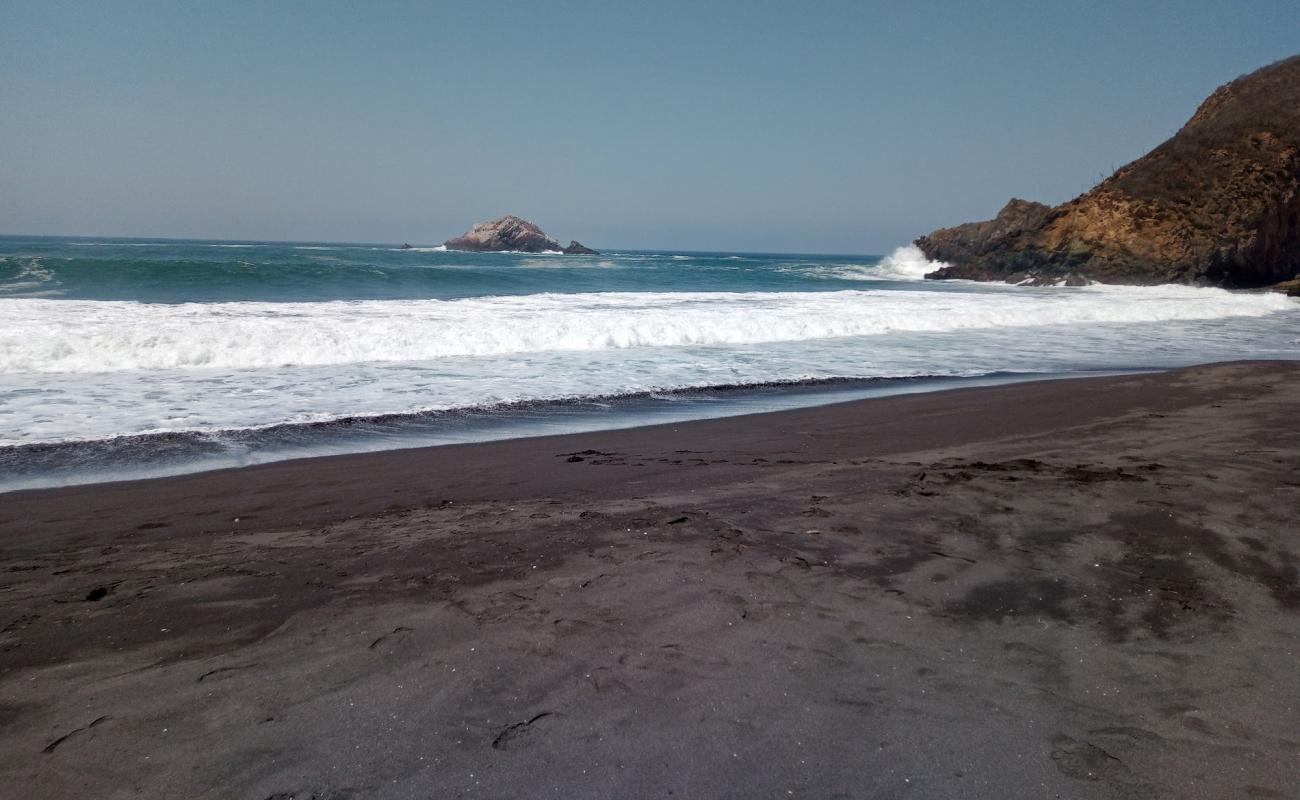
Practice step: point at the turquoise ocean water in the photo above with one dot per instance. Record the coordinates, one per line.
(131, 357)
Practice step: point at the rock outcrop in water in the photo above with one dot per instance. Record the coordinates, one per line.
(1216, 204)
(577, 248)
(511, 234)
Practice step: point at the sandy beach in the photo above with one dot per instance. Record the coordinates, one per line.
(1084, 588)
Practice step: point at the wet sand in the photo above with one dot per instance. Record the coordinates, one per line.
(1085, 588)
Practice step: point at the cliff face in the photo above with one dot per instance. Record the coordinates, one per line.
(966, 243)
(1218, 203)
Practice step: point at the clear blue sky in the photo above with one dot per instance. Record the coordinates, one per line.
(796, 126)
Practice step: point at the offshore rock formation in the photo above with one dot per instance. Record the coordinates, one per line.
(1216, 204)
(503, 234)
(510, 234)
(577, 248)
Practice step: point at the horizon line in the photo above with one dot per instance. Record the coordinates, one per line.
(398, 245)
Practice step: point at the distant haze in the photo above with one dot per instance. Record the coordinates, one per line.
(747, 125)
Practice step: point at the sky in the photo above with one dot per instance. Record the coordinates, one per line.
(822, 127)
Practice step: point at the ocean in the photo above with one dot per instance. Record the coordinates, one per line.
(124, 358)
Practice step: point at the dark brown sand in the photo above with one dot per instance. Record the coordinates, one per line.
(1083, 588)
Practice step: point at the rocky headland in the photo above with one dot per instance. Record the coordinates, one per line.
(1217, 204)
(512, 234)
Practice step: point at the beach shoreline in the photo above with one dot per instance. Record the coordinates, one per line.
(166, 454)
(1081, 587)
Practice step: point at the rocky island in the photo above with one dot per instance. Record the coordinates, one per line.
(1217, 204)
(512, 234)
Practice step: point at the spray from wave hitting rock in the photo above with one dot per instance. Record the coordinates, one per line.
(907, 263)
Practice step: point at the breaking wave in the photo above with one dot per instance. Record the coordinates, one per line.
(907, 263)
(74, 336)
(904, 264)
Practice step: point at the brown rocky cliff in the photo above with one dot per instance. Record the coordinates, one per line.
(970, 241)
(1218, 203)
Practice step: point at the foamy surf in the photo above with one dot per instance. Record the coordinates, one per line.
(907, 263)
(149, 341)
(67, 336)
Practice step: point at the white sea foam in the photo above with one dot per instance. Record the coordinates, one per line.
(120, 244)
(72, 336)
(442, 248)
(32, 276)
(907, 263)
(567, 264)
(498, 252)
